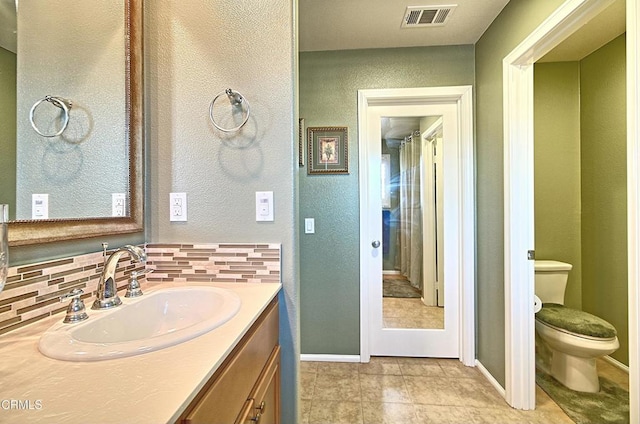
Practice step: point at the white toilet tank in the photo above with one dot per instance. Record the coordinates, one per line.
(551, 280)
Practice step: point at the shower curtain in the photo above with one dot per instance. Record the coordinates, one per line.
(411, 211)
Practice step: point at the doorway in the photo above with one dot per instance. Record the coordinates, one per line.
(456, 339)
(518, 119)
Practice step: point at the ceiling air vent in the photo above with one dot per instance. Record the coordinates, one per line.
(424, 16)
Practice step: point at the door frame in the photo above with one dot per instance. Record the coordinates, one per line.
(518, 194)
(461, 96)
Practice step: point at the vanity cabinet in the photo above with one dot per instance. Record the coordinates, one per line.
(246, 387)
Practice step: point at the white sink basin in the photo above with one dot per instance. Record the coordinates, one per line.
(154, 321)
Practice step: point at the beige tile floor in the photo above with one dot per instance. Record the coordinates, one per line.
(410, 390)
(410, 313)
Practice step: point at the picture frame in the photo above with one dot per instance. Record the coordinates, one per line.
(301, 142)
(328, 150)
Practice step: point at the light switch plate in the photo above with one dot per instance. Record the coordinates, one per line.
(309, 226)
(264, 206)
(177, 206)
(39, 206)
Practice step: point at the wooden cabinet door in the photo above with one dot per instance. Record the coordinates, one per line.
(227, 392)
(264, 407)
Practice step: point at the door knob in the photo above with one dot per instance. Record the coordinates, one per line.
(375, 244)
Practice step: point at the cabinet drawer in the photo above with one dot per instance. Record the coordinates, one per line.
(227, 391)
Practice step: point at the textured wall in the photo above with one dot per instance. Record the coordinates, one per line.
(329, 259)
(514, 23)
(604, 188)
(194, 50)
(8, 129)
(557, 169)
(82, 61)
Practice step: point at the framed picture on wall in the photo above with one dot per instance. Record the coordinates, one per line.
(328, 150)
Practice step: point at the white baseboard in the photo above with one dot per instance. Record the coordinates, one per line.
(490, 378)
(390, 272)
(616, 363)
(329, 358)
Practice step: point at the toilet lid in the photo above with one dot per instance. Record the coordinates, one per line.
(574, 321)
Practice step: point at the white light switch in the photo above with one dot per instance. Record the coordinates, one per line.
(177, 206)
(39, 206)
(264, 205)
(309, 226)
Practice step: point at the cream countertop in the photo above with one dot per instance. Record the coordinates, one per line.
(153, 387)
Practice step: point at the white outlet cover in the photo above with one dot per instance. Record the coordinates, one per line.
(118, 204)
(178, 207)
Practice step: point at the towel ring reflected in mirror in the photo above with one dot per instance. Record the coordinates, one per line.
(58, 102)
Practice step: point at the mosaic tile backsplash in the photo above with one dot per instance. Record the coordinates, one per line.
(216, 263)
(32, 291)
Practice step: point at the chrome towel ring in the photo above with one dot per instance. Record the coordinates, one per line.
(237, 100)
(59, 102)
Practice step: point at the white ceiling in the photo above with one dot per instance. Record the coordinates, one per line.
(365, 24)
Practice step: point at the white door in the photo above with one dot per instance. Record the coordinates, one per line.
(433, 211)
(424, 340)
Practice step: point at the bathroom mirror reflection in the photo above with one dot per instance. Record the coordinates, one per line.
(90, 174)
(412, 217)
(85, 64)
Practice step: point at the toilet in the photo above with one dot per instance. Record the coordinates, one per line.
(568, 341)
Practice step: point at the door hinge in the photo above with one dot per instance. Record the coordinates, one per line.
(531, 255)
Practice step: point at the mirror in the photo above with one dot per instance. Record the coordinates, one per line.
(94, 66)
(412, 221)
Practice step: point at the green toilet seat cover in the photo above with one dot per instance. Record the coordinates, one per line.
(574, 321)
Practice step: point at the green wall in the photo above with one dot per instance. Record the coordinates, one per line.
(515, 22)
(8, 129)
(604, 188)
(557, 169)
(329, 259)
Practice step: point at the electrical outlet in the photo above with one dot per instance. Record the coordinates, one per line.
(177, 206)
(118, 204)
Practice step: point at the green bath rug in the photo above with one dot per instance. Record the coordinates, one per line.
(398, 288)
(609, 406)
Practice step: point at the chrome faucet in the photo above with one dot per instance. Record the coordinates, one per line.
(107, 295)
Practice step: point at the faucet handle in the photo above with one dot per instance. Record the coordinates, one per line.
(133, 289)
(76, 311)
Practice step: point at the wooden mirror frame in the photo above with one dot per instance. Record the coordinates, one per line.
(25, 232)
